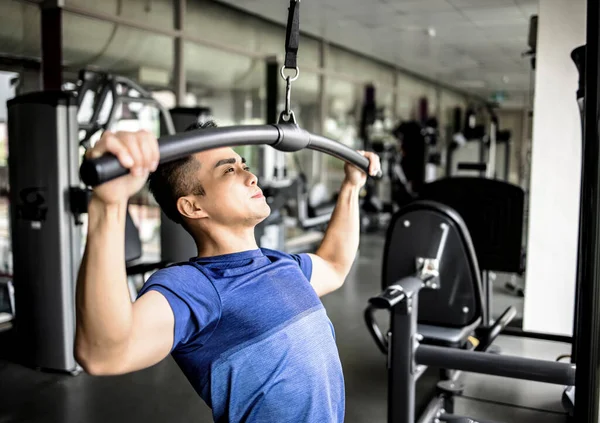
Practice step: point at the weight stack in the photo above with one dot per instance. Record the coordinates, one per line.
(46, 241)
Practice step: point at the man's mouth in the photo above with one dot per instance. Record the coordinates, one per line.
(259, 194)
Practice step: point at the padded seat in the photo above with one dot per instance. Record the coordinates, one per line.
(445, 336)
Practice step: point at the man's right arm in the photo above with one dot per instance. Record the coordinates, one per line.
(114, 336)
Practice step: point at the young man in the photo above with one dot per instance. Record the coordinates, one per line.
(244, 324)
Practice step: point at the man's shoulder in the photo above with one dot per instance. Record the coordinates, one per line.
(184, 279)
(281, 254)
(176, 273)
(273, 253)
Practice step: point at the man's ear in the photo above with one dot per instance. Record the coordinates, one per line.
(189, 207)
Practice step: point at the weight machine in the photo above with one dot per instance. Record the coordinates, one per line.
(407, 352)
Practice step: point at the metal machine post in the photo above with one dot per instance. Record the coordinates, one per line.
(403, 300)
(43, 165)
(587, 340)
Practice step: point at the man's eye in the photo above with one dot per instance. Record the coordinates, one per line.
(229, 170)
(247, 169)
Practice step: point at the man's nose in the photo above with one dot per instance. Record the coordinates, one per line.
(252, 179)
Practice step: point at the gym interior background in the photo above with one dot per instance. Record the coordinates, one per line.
(489, 86)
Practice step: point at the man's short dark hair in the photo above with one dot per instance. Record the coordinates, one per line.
(174, 180)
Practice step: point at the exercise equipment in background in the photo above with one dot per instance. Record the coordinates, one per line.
(475, 151)
(492, 211)
(433, 290)
(436, 259)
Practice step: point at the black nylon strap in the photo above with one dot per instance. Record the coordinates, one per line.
(292, 37)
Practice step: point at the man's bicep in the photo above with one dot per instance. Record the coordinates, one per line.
(152, 332)
(325, 277)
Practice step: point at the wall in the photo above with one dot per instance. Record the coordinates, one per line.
(555, 171)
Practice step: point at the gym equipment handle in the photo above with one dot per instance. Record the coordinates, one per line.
(283, 137)
(501, 323)
(374, 330)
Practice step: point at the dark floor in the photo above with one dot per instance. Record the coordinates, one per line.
(162, 394)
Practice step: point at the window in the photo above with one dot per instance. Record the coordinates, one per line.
(7, 91)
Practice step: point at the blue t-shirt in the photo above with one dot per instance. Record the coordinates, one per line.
(253, 338)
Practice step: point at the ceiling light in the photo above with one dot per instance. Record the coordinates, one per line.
(505, 79)
(431, 32)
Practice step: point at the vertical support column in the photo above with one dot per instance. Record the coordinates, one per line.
(587, 382)
(401, 361)
(51, 25)
(43, 165)
(179, 59)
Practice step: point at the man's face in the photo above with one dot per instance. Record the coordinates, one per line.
(232, 196)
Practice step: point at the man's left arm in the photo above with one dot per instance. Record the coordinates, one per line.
(334, 258)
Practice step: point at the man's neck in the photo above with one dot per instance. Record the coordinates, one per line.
(220, 241)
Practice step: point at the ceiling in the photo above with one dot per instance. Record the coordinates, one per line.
(474, 45)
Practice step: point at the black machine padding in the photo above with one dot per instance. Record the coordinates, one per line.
(415, 231)
(493, 212)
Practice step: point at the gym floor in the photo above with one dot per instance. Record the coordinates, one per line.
(162, 394)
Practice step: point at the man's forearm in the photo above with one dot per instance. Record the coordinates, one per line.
(340, 243)
(104, 308)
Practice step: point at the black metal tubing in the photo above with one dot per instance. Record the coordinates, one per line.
(403, 369)
(578, 56)
(173, 147)
(283, 137)
(496, 329)
(511, 331)
(117, 79)
(507, 161)
(497, 365)
(374, 330)
(101, 84)
(432, 411)
(449, 418)
(487, 298)
(390, 296)
(587, 395)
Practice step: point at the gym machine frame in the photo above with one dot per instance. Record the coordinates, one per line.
(407, 358)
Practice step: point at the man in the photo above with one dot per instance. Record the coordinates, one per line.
(244, 324)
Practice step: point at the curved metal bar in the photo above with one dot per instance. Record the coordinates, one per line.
(284, 137)
(374, 329)
(166, 116)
